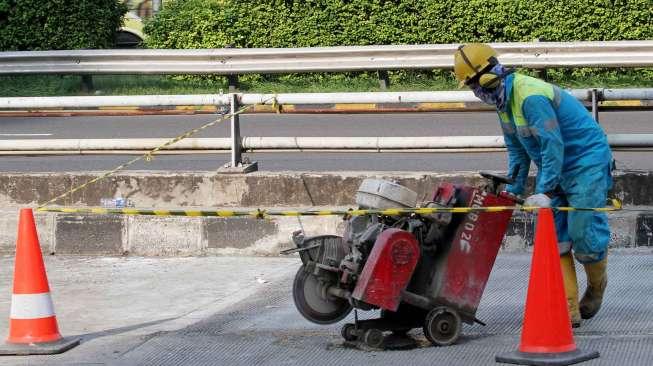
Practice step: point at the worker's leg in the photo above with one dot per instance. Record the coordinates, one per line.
(567, 261)
(597, 281)
(571, 288)
(590, 235)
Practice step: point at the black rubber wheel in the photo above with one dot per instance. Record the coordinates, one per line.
(373, 338)
(442, 326)
(348, 332)
(307, 295)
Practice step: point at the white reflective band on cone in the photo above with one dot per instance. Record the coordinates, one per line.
(31, 306)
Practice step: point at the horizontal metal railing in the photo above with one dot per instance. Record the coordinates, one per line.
(253, 144)
(231, 61)
(291, 98)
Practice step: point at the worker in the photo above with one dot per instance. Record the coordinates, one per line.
(547, 125)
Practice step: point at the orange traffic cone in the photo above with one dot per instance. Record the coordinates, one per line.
(546, 337)
(32, 325)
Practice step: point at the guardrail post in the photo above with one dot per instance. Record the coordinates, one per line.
(235, 132)
(233, 83)
(87, 83)
(384, 79)
(595, 104)
(237, 164)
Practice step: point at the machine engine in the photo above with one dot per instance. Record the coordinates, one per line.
(406, 265)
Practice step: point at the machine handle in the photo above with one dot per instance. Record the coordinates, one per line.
(497, 179)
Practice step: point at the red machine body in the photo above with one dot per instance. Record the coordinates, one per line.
(388, 269)
(473, 251)
(461, 271)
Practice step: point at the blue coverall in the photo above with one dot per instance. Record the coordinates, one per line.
(547, 125)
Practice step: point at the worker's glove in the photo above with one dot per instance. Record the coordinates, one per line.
(538, 200)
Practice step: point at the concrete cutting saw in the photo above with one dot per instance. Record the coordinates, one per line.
(425, 271)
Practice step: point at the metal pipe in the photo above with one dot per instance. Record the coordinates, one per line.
(373, 143)
(291, 98)
(114, 144)
(113, 101)
(195, 152)
(459, 143)
(631, 140)
(362, 98)
(627, 94)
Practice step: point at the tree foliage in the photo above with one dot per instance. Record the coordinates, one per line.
(59, 24)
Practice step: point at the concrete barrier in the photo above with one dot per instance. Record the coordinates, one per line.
(115, 235)
(187, 236)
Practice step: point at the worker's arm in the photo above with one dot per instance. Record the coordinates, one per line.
(517, 159)
(543, 122)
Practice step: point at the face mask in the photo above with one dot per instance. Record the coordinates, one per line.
(495, 96)
(489, 96)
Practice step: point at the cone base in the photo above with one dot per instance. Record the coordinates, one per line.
(15, 349)
(547, 359)
(30, 331)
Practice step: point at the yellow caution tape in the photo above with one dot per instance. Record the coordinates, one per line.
(260, 214)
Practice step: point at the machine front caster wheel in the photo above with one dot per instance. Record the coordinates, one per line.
(348, 332)
(442, 326)
(373, 338)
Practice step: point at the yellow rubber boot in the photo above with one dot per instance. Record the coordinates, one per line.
(571, 288)
(597, 280)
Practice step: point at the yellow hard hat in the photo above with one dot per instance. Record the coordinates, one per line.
(473, 59)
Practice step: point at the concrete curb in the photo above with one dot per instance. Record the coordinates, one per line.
(189, 236)
(266, 189)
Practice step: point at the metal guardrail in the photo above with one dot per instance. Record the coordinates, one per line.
(232, 61)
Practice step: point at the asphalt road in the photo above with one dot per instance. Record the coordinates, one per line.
(239, 311)
(404, 124)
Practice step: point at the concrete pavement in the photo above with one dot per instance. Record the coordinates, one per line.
(238, 311)
(114, 304)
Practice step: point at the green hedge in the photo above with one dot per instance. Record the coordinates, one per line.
(302, 23)
(312, 23)
(59, 24)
